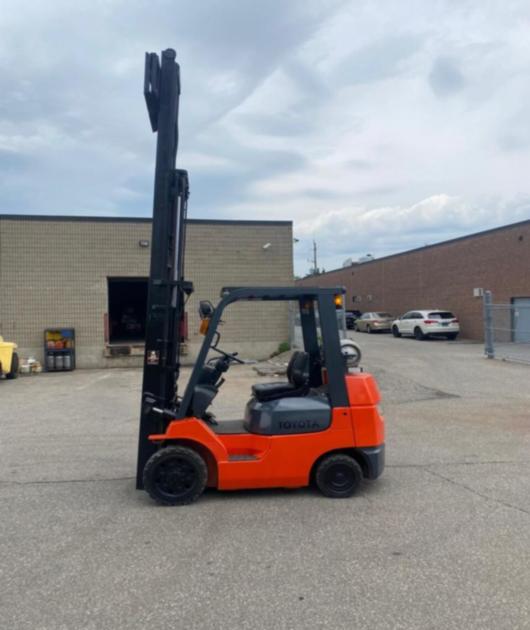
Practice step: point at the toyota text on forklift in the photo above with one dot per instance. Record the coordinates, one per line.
(322, 426)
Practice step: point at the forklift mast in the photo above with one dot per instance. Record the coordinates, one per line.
(167, 289)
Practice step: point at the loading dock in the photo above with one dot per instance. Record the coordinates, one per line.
(127, 309)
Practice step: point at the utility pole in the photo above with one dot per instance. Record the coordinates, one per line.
(315, 261)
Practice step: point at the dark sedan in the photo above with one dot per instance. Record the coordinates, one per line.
(351, 317)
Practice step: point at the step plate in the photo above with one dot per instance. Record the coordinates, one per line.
(242, 458)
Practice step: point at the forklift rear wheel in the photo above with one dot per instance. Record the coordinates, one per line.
(175, 475)
(13, 373)
(338, 476)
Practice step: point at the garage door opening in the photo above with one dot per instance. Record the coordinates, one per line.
(127, 309)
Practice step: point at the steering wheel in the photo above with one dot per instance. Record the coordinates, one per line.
(230, 357)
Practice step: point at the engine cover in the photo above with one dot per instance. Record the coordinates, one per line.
(303, 414)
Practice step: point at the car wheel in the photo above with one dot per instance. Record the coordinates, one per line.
(175, 475)
(452, 336)
(395, 331)
(338, 476)
(369, 330)
(13, 373)
(418, 334)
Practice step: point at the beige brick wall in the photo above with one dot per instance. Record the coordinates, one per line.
(441, 276)
(54, 273)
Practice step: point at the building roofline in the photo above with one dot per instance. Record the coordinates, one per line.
(89, 219)
(466, 237)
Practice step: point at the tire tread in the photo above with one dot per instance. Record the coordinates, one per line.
(326, 463)
(172, 451)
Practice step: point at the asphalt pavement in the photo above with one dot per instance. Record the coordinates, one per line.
(441, 540)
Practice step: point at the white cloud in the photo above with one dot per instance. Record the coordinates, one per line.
(353, 232)
(374, 126)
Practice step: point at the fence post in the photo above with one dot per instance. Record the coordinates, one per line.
(291, 323)
(489, 349)
(344, 334)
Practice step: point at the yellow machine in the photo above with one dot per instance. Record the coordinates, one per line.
(8, 359)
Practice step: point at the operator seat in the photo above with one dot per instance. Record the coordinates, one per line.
(297, 384)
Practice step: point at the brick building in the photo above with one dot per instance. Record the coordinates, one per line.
(91, 274)
(443, 275)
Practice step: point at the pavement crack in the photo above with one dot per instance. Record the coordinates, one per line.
(7, 482)
(477, 493)
(426, 399)
(466, 463)
(11, 482)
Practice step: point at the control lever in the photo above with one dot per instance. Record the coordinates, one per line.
(226, 355)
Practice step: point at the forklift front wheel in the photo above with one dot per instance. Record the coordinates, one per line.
(175, 475)
(338, 476)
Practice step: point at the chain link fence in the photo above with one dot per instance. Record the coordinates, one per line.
(507, 329)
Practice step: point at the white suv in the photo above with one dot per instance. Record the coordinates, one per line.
(423, 324)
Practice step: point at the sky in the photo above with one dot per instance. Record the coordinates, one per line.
(375, 126)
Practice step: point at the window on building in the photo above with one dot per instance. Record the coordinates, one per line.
(127, 309)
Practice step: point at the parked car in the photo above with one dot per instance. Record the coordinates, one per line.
(428, 323)
(374, 322)
(351, 316)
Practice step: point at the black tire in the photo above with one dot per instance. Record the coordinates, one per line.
(452, 336)
(13, 373)
(338, 476)
(175, 475)
(395, 331)
(418, 334)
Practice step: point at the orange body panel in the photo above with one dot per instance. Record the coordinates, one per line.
(284, 460)
(367, 422)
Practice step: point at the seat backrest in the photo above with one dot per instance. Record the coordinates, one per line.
(298, 369)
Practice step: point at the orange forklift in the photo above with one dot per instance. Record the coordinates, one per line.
(321, 426)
